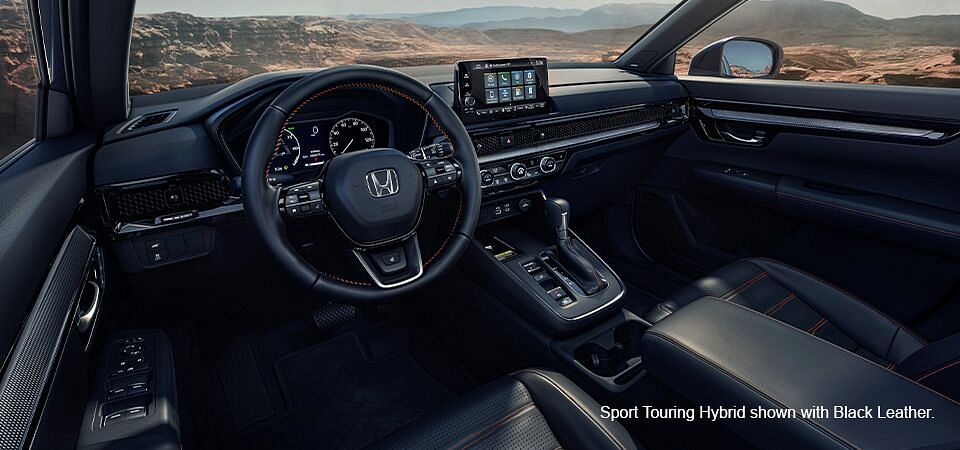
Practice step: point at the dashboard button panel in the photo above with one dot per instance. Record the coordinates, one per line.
(495, 176)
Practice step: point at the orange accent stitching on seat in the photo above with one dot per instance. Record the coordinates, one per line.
(583, 409)
(394, 91)
(843, 291)
(813, 330)
(483, 433)
(744, 286)
(938, 370)
(775, 308)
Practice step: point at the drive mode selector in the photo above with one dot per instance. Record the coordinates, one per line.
(518, 171)
(548, 164)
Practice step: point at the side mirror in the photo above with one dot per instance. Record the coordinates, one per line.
(738, 57)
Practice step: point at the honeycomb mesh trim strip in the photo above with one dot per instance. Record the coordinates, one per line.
(151, 202)
(34, 357)
(541, 134)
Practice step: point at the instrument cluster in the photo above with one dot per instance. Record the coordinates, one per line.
(307, 144)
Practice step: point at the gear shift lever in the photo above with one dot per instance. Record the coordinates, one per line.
(578, 267)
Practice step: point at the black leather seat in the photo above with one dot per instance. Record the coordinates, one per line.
(804, 301)
(529, 409)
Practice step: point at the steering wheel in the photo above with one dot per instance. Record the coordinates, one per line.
(375, 197)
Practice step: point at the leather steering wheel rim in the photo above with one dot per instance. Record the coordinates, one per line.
(260, 198)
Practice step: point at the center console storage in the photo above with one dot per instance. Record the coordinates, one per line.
(611, 355)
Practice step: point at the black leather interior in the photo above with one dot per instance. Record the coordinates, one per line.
(805, 302)
(721, 353)
(529, 409)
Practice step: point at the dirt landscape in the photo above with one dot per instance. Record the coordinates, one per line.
(823, 41)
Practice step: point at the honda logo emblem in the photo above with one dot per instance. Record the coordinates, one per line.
(383, 183)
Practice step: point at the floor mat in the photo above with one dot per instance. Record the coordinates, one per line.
(341, 398)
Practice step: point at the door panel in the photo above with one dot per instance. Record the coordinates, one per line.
(857, 184)
(45, 261)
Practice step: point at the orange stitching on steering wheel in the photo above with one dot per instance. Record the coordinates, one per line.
(405, 96)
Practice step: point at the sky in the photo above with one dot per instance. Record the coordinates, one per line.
(882, 8)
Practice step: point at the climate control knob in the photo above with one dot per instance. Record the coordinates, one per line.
(518, 171)
(548, 164)
(486, 178)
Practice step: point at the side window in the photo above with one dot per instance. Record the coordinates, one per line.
(18, 85)
(895, 42)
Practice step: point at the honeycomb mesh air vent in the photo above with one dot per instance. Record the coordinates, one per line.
(186, 193)
(488, 144)
(149, 120)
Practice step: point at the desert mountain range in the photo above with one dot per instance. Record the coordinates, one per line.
(823, 40)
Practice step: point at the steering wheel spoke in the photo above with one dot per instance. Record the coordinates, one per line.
(440, 174)
(375, 197)
(302, 200)
(393, 265)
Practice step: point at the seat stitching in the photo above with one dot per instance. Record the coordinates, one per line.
(776, 308)
(744, 286)
(816, 425)
(577, 404)
(814, 329)
(845, 292)
(841, 348)
(932, 372)
(483, 433)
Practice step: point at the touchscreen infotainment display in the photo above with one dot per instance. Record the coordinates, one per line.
(501, 88)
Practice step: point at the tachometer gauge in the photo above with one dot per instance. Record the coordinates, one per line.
(288, 155)
(351, 134)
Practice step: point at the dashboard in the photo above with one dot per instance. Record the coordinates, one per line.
(307, 143)
(575, 132)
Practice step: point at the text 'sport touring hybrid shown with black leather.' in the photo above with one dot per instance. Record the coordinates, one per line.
(670, 224)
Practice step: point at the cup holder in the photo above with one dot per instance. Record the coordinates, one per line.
(614, 352)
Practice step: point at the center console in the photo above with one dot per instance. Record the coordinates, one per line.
(547, 273)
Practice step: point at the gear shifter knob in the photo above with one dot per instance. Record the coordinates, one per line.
(558, 215)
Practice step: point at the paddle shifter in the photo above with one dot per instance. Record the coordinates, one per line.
(578, 267)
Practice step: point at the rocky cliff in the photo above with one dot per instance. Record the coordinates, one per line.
(19, 78)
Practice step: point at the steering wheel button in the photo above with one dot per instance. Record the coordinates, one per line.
(291, 199)
(391, 262)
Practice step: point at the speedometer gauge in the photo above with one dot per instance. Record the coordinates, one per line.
(288, 155)
(351, 134)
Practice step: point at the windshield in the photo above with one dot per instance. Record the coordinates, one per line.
(184, 43)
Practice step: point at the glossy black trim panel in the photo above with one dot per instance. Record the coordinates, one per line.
(822, 124)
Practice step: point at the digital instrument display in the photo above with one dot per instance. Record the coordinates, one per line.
(501, 88)
(308, 144)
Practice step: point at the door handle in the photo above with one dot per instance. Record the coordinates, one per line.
(86, 318)
(754, 140)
